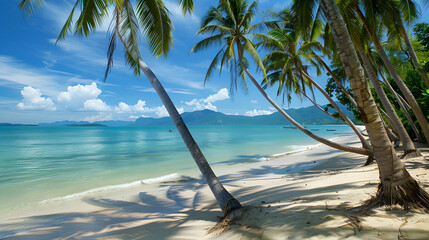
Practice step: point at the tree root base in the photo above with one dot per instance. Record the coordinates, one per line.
(232, 205)
(227, 221)
(409, 195)
(411, 154)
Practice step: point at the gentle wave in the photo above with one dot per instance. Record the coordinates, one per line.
(297, 149)
(165, 178)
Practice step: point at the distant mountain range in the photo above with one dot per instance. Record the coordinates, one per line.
(84, 123)
(307, 115)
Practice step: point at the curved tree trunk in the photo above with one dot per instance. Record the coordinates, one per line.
(342, 114)
(226, 201)
(315, 104)
(296, 124)
(338, 82)
(397, 186)
(413, 55)
(401, 103)
(409, 148)
(404, 89)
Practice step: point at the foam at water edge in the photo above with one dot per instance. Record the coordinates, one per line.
(297, 149)
(169, 177)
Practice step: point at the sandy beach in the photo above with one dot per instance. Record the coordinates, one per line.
(305, 195)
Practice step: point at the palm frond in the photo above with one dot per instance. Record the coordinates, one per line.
(410, 11)
(250, 48)
(214, 64)
(30, 6)
(127, 28)
(208, 42)
(67, 28)
(91, 16)
(156, 24)
(187, 6)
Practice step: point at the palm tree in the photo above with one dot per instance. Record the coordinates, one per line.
(402, 103)
(153, 19)
(409, 10)
(369, 21)
(409, 148)
(397, 186)
(230, 24)
(286, 62)
(361, 41)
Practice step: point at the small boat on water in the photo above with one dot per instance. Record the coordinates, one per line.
(331, 130)
(315, 129)
(170, 130)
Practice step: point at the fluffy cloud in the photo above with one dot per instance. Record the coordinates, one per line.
(76, 96)
(140, 107)
(162, 112)
(99, 117)
(33, 100)
(255, 112)
(96, 105)
(254, 101)
(207, 103)
(219, 96)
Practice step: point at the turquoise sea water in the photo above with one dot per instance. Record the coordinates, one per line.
(42, 163)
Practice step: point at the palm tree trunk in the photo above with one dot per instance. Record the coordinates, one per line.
(337, 108)
(315, 104)
(226, 201)
(413, 55)
(397, 186)
(401, 103)
(404, 89)
(337, 81)
(409, 148)
(296, 124)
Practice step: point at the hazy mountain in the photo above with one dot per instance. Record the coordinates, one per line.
(81, 123)
(308, 115)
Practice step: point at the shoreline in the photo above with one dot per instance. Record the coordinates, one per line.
(301, 195)
(79, 201)
(170, 178)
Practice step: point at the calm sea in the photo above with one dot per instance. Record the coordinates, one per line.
(43, 163)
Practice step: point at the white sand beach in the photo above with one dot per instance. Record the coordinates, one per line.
(305, 195)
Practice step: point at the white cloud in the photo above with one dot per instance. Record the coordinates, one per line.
(255, 112)
(254, 101)
(140, 107)
(16, 73)
(162, 112)
(99, 117)
(58, 12)
(33, 100)
(96, 105)
(123, 108)
(76, 96)
(207, 103)
(219, 96)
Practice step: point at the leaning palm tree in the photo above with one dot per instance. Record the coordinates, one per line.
(287, 62)
(230, 24)
(396, 184)
(362, 42)
(151, 17)
(376, 10)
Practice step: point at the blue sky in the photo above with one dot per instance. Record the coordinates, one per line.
(44, 82)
